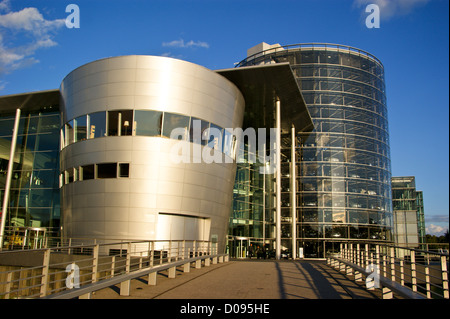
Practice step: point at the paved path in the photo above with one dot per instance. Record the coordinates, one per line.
(249, 280)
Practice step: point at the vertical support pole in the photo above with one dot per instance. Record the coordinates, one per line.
(413, 271)
(45, 272)
(293, 194)
(278, 181)
(392, 263)
(152, 278)
(444, 276)
(126, 285)
(95, 263)
(9, 277)
(402, 272)
(113, 265)
(152, 253)
(367, 255)
(427, 281)
(12, 151)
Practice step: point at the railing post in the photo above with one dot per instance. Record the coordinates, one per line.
(126, 285)
(152, 253)
(45, 272)
(95, 263)
(358, 256)
(113, 265)
(392, 250)
(367, 255)
(402, 272)
(413, 271)
(427, 281)
(444, 276)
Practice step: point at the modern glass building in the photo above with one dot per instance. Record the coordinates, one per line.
(33, 203)
(138, 148)
(340, 189)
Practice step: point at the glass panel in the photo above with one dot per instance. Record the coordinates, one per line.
(97, 124)
(198, 132)
(119, 123)
(215, 137)
(107, 170)
(69, 132)
(228, 143)
(176, 124)
(80, 128)
(148, 123)
(124, 170)
(88, 172)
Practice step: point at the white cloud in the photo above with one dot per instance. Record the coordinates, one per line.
(391, 8)
(27, 31)
(182, 44)
(432, 229)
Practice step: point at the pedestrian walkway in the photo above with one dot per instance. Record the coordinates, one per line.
(248, 279)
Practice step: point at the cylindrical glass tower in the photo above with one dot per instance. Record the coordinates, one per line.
(343, 188)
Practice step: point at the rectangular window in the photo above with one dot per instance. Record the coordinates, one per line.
(124, 169)
(97, 124)
(80, 128)
(176, 125)
(215, 137)
(119, 122)
(198, 132)
(87, 172)
(107, 170)
(69, 132)
(148, 123)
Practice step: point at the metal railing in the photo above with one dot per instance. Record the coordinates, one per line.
(81, 268)
(409, 272)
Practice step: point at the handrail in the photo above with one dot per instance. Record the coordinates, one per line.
(405, 271)
(73, 293)
(49, 270)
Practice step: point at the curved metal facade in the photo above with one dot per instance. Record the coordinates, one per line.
(344, 184)
(119, 178)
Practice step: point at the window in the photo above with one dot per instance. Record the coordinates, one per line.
(97, 124)
(148, 123)
(176, 126)
(215, 137)
(80, 128)
(119, 123)
(87, 172)
(107, 170)
(124, 170)
(69, 132)
(198, 131)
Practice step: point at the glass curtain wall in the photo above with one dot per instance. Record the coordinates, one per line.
(252, 227)
(344, 174)
(34, 195)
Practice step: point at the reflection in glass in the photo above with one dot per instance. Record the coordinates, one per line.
(97, 124)
(80, 128)
(177, 123)
(148, 123)
(198, 132)
(215, 137)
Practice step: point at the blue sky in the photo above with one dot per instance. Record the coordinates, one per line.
(37, 50)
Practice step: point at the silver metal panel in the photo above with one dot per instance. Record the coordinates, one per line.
(129, 208)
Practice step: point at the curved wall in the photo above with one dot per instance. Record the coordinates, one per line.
(135, 189)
